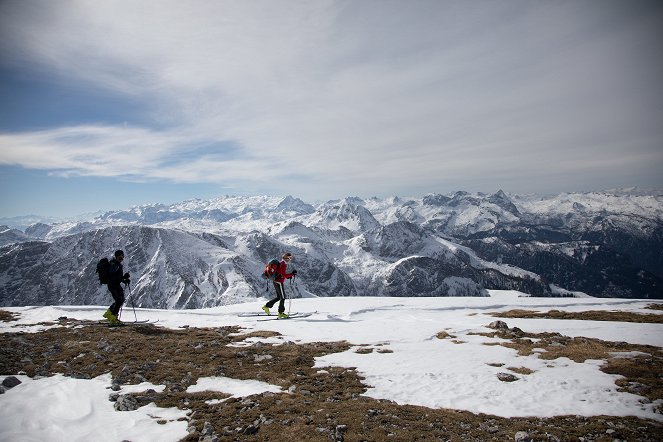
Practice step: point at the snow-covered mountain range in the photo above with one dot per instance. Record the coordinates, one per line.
(203, 253)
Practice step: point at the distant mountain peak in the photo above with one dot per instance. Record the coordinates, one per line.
(501, 199)
(289, 203)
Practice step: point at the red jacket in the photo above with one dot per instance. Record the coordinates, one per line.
(281, 272)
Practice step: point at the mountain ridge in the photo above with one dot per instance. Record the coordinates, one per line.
(210, 252)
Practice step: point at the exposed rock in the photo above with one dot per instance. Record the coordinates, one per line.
(506, 377)
(522, 436)
(208, 429)
(10, 382)
(498, 325)
(126, 403)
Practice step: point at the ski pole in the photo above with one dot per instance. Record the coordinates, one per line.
(289, 298)
(132, 299)
(292, 280)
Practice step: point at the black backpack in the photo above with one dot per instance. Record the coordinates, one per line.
(103, 269)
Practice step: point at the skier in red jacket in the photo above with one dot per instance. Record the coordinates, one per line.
(281, 274)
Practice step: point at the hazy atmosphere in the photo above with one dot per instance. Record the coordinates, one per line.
(107, 104)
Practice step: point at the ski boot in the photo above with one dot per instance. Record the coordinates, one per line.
(266, 309)
(283, 316)
(112, 319)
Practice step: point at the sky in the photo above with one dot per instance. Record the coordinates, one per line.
(109, 104)
(75, 409)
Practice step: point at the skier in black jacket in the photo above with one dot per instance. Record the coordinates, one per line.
(115, 278)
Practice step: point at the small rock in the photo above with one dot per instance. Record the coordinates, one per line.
(126, 403)
(340, 432)
(250, 430)
(208, 429)
(498, 325)
(10, 382)
(506, 377)
(522, 436)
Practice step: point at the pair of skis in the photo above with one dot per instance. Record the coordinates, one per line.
(266, 317)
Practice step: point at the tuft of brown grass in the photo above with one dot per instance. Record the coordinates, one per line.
(590, 315)
(444, 335)
(520, 370)
(655, 306)
(8, 316)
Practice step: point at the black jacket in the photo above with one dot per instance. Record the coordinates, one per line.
(116, 273)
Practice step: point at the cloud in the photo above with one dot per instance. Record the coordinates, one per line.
(353, 96)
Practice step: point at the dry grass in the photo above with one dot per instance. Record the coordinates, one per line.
(322, 405)
(520, 370)
(590, 315)
(444, 335)
(655, 306)
(495, 364)
(8, 316)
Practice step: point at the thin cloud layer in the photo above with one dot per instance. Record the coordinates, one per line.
(373, 97)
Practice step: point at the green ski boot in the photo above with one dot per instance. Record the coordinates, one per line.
(266, 309)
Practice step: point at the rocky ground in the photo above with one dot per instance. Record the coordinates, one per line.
(320, 405)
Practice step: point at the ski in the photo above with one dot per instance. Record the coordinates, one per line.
(255, 315)
(292, 316)
(127, 323)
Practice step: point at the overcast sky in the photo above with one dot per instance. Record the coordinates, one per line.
(108, 104)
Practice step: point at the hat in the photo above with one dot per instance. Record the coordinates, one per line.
(119, 253)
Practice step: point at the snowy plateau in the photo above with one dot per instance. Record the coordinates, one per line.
(430, 369)
(208, 253)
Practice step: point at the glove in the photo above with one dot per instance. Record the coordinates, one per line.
(294, 272)
(126, 278)
(127, 275)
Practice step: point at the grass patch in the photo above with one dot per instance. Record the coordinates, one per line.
(444, 335)
(590, 315)
(520, 370)
(8, 316)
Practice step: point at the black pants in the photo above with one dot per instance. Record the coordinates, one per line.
(280, 297)
(118, 296)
